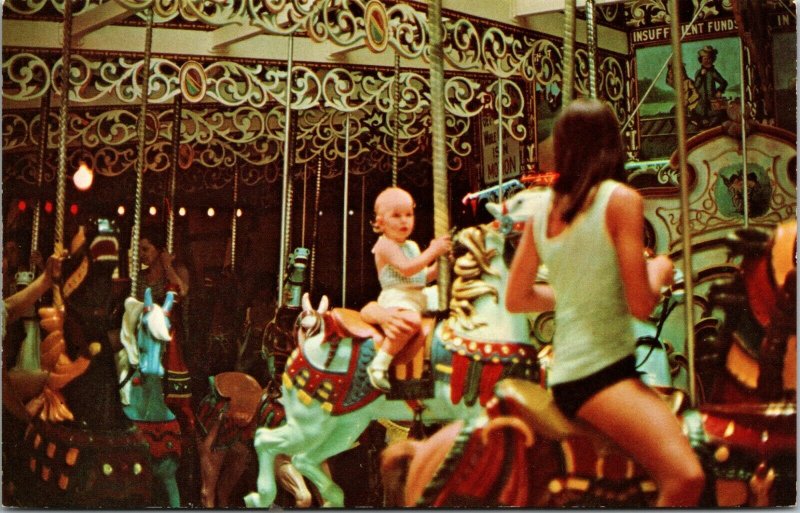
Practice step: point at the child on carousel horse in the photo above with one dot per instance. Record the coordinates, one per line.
(588, 229)
(403, 271)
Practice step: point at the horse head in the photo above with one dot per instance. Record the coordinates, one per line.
(310, 321)
(154, 332)
(484, 255)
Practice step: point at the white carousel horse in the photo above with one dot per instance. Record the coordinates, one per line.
(326, 393)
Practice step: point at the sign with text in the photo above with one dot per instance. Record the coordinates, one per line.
(512, 153)
(716, 27)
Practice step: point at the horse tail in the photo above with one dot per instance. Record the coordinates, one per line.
(395, 461)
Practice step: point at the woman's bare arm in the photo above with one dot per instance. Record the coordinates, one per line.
(523, 294)
(642, 280)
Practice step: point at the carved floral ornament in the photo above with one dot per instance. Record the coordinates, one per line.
(244, 105)
(239, 117)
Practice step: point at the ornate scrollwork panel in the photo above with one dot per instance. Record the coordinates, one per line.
(25, 77)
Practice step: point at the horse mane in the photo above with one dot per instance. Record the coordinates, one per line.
(469, 267)
(157, 324)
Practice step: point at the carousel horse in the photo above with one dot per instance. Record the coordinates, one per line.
(79, 448)
(236, 404)
(523, 452)
(446, 373)
(228, 417)
(144, 333)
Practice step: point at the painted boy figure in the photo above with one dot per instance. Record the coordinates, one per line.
(710, 85)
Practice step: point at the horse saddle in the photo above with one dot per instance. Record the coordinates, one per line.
(349, 323)
(243, 392)
(535, 405)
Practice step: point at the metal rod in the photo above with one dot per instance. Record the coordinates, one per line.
(591, 43)
(44, 114)
(568, 58)
(140, 161)
(441, 206)
(362, 224)
(396, 119)
(316, 226)
(234, 219)
(346, 206)
(743, 108)
(305, 203)
(176, 142)
(680, 119)
(500, 138)
(285, 182)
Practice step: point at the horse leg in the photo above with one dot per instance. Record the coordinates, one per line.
(292, 481)
(338, 439)
(210, 465)
(269, 443)
(165, 471)
(239, 457)
(332, 494)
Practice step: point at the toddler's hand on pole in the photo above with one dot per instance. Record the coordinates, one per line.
(441, 245)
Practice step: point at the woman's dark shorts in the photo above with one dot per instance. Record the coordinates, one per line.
(570, 396)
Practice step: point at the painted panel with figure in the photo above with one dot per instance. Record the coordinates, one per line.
(711, 81)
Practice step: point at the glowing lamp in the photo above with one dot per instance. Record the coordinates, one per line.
(83, 177)
(153, 210)
(181, 211)
(21, 205)
(211, 212)
(73, 209)
(121, 210)
(238, 212)
(48, 207)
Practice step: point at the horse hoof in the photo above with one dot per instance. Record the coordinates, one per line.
(253, 500)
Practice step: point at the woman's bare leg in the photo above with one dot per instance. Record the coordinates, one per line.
(640, 422)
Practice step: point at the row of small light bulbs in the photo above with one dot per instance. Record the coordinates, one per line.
(22, 205)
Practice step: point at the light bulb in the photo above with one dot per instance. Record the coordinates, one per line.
(153, 210)
(121, 210)
(211, 212)
(181, 211)
(83, 177)
(238, 212)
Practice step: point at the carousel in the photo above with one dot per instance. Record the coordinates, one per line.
(203, 173)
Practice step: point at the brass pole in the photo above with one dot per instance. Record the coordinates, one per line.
(441, 210)
(286, 170)
(680, 120)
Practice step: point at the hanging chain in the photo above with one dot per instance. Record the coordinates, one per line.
(140, 161)
(176, 142)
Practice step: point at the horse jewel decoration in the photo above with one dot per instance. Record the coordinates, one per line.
(523, 452)
(145, 332)
(449, 369)
(79, 449)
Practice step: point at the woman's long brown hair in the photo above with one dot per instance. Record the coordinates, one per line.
(588, 149)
